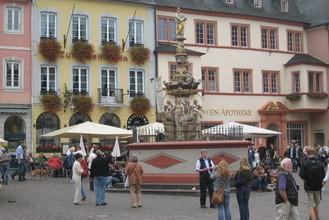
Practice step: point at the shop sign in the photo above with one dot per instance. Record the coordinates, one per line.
(227, 112)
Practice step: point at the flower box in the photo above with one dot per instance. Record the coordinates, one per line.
(293, 96)
(139, 54)
(50, 49)
(317, 95)
(49, 149)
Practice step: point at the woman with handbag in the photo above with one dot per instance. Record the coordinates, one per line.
(221, 196)
(243, 179)
(134, 174)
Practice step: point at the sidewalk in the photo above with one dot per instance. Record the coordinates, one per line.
(52, 199)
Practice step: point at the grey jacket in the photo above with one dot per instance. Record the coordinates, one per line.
(220, 181)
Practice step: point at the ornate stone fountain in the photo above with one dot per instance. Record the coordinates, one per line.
(182, 111)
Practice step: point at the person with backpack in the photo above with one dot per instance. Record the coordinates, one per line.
(69, 160)
(313, 173)
(204, 167)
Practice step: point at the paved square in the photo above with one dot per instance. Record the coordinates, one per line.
(52, 199)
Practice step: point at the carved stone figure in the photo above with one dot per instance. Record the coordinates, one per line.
(180, 22)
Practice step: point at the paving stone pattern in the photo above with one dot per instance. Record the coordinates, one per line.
(52, 199)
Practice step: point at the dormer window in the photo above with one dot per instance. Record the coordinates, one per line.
(258, 3)
(284, 5)
(229, 2)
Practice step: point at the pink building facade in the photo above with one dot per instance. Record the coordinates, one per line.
(15, 71)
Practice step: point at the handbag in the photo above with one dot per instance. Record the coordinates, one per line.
(127, 177)
(218, 196)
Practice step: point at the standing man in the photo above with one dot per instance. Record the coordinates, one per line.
(4, 165)
(292, 153)
(204, 167)
(20, 157)
(90, 159)
(286, 193)
(99, 171)
(313, 173)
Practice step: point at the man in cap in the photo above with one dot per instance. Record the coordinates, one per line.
(204, 166)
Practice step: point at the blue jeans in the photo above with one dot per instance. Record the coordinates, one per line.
(83, 194)
(259, 183)
(100, 183)
(242, 196)
(110, 180)
(224, 212)
(4, 173)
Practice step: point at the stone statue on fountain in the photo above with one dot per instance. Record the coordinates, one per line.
(181, 119)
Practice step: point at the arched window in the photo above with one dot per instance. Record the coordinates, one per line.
(78, 118)
(47, 122)
(110, 119)
(14, 130)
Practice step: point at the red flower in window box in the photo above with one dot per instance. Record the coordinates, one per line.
(111, 52)
(49, 149)
(50, 49)
(293, 96)
(139, 54)
(82, 51)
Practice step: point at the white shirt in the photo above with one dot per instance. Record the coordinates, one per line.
(77, 170)
(198, 164)
(326, 178)
(91, 157)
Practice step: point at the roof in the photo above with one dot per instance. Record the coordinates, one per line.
(316, 12)
(305, 59)
(270, 9)
(168, 48)
(144, 2)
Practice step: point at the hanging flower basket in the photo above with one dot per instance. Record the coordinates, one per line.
(140, 105)
(111, 52)
(139, 54)
(83, 104)
(50, 49)
(293, 96)
(51, 102)
(82, 51)
(317, 95)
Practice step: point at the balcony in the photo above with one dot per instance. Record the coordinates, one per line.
(136, 94)
(110, 97)
(308, 102)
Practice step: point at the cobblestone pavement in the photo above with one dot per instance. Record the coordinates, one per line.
(52, 199)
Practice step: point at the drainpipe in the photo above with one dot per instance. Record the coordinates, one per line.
(155, 60)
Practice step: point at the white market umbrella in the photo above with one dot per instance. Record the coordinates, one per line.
(82, 147)
(116, 149)
(247, 130)
(90, 129)
(150, 129)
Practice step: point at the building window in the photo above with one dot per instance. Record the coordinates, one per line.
(48, 25)
(14, 19)
(284, 5)
(270, 82)
(205, 32)
(108, 29)
(229, 2)
(173, 67)
(296, 82)
(136, 29)
(210, 79)
(269, 38)
(13, 74)
(315, 81)
(79, 27)
(48, 79)
(295, 41)
(167, 29)
(136, 83)
(108, 81)
(297, 132)
(80, 80)
(47, 122)
(258, 3)
(240, 35)
(242, 81)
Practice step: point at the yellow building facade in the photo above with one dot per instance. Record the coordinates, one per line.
(111, 86)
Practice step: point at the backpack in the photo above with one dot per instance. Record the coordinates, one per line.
(68, 162)
(315, 175)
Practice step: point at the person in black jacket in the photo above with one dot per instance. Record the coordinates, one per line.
(313, 172)
(204, 166)
(99, 171)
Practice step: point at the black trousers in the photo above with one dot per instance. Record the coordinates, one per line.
(206, 183)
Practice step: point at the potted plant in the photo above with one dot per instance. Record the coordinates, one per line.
(50, 49)
(317, 95)
(51, 102)
(82, 51)
(140, 105)
(83, 104)
(139, 54)
(111, 52)
(293, 96)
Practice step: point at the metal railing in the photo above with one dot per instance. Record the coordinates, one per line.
(213, 133)
(110, 96)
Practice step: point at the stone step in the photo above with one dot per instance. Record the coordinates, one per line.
(164, 186)
(159, 191)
